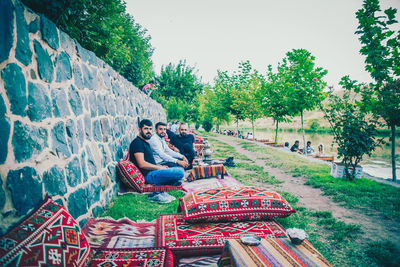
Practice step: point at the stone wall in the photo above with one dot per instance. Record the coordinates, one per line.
(65, 119)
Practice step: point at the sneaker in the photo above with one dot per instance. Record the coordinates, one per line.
(158, 198)
(167, 196)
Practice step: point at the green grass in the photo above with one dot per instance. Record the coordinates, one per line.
(360, 193)
(137, 207)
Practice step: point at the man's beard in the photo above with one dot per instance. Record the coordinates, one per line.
(183, 134)
(147, 137)
(162, 135)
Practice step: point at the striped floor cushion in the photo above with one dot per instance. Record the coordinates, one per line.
(188, 240)
(271, 252)
(201, 172)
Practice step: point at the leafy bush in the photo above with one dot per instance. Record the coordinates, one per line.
(314, 125)
(207, 125)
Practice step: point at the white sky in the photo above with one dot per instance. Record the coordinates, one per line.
(218, 34)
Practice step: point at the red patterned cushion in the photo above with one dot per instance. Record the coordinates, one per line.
(237, 203)
(161, 257)
(48, 236)
(130, 175)
(185, 239)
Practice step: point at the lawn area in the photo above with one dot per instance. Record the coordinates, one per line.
(336, 240)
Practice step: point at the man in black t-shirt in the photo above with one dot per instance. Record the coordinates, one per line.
(141, 155)
(295, 147)
(184, 142)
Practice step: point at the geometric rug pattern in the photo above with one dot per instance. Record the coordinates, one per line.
(185, 239)
(122, 233)
(210, 183)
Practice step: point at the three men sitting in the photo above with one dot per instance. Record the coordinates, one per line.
(141, 154)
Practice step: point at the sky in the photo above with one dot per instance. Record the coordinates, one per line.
(216, 35)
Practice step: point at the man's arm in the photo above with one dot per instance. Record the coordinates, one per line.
(156, 146)
(146, 165)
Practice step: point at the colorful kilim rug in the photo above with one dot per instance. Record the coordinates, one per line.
(206, 261)
(271, 252)
(207, 238)
(156, 257)
(200, 172)
(48, 236)
(210, 183)
(199, 149)
(150, 188)
(122, 233)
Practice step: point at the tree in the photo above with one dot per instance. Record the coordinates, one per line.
(274, 100)
(303, 82)
(104, 27)
(381, 46)
(354, 133)
(212, 107)
(178, 81)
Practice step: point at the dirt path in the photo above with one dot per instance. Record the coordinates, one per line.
(372, 223)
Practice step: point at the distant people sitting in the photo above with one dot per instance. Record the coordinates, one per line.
(148, 88)
(295, 147)
(184, 143)
(321, 149)
(286, 147)
(163, 155)
(309, 149)
(174, 127)
(250, 136)
(141, 154)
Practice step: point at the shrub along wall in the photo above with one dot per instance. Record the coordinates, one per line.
(65, 119)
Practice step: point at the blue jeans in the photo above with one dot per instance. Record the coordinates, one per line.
(165, 176)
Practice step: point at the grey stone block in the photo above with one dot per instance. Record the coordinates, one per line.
(93, 104)
(73, 172)
(78, 78)
(101, 107)
(89, 78)
(39, 107)
(54, 181)
(106, 129)
(27, 140)
(60, 104)
(45, 65)
(97, 131)
(14, 83)
(49, 32)
(67, 43)
(63, 67)
(60, 145)
(93, 191)
(34, 26)
(77, 205)
(25, 186)
(80, 132)
(88, 127)
(4, 136)
(2, 195)
(22, 52)
(6, 28)
(84, 167)
(75, 101)
(91, 162)
(72, 136)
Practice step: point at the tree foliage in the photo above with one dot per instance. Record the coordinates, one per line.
(354, 133)
(104, 27)
(381, 47)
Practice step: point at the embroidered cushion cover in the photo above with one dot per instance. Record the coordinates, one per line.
(48, 236)
(130, 175)
(185, 239)
(161, 257)
(237, 203)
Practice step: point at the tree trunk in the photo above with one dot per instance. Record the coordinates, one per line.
(393, 127)
(237, 123)
(252, 125)
(276, 134)
(304, 134)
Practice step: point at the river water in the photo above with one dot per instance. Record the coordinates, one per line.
(378, 165)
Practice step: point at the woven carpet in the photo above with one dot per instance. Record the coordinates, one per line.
(209, 261)
(271, 252)
(157, 257)
(123, 233)
(201, 172)
(210, 183)
(207, 238)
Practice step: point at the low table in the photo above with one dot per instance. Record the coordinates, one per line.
(206, 171)
(271, 252)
